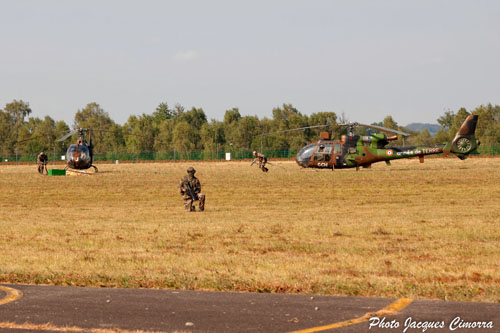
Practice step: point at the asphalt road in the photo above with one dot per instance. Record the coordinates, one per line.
(28, 308)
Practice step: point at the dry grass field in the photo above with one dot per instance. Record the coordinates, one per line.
(416, 230)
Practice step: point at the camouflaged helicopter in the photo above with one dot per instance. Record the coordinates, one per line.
(354, 151)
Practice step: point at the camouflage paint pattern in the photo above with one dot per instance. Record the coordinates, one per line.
(355, 151)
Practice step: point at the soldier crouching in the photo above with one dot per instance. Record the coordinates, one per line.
(262, 159)
(41, 161)
(190, 189)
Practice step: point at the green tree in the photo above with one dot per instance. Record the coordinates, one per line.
(285, 118)
(178, 110)
(38, 135)
(46, 132)
(231, 119)
(458, 120)
(12, 120)
(115, 139)
(7, 139)
(212, 135)
(27, 129)
(231, 116)
(182, 137)
(423, 138)
(104, 135)
(139, 133)
(195, 118)
(488, 125)
(162, 113)
(267, 142)
(323, 118)
(163, 140)
(441, 136)
(246, 130)
(389, 123)
(446, 120)
(61, 129)
(18, 110)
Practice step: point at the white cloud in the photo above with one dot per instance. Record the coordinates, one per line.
(186, 55)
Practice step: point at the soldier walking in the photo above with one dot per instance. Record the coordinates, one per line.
(190, 189)
(41, 162)
(262, 159)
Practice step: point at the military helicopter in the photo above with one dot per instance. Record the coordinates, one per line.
(354, 151)
(80, 155)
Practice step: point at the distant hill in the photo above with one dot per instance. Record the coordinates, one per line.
(432, 128)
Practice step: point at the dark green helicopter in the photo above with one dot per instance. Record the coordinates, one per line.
(80, 155)
(355, 151)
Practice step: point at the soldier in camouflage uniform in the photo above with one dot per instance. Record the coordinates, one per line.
(42, 161)
(262, 159)
(190, 189)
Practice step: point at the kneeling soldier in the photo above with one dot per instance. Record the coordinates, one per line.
(190, 189)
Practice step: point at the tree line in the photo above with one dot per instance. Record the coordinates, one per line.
(169, 129)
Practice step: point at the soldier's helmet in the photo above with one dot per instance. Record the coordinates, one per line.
(191, 170)
(254, 153)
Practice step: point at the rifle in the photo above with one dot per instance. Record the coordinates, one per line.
(190, 190)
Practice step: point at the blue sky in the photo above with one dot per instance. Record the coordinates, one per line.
(367, 59)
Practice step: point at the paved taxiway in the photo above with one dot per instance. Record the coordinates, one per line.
(22, 307)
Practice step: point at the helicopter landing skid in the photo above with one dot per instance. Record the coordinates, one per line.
(71, 171)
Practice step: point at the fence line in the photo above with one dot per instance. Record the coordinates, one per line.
(162, 156)
(483, 151)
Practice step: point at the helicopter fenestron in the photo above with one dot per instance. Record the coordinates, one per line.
(355, 151)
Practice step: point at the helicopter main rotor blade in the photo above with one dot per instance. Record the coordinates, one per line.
(379, 128)
(68, 135)
(293, 129)
(115, 131)
(384, 129)
(28, 139)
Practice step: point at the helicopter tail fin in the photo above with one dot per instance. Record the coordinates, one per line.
(464, 142)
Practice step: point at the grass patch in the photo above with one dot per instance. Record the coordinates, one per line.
(427, 230)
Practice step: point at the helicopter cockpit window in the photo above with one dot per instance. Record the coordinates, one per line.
(84, 153)
(324, 148)
(83, 150)
(323, 152)
(338, 148)
(70, 152)
(321, 157)
(304, 155)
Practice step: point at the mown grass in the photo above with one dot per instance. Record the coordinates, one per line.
(416, 230)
